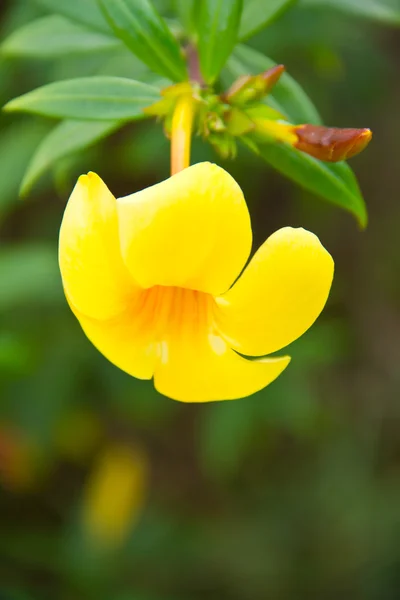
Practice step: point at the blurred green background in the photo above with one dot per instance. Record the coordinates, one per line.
(292, 493)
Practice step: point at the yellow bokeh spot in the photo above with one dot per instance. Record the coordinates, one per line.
(114, 495)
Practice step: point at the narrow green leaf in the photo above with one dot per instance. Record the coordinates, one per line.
(335, 182)
(287, 96)
(85, 12)
(219, 22)
(257, 14)
(145, 33)
(385, 11)
(53, 36)
(66, 137)
(185, 10)
(89, 98)
(17, 143)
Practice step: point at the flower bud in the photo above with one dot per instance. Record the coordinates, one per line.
(272, 76)
(251, 88)
(331, 144)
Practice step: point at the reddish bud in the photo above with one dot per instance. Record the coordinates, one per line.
(331, 144)
(251, 88)
(272, 76)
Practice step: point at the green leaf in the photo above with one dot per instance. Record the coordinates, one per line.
(66, 137)
(53, 36)
(185, 10)
(218, 27)
(335, 182)
(85, 12)
(88, 98)
(257, 14)
(145, 33)
(287, 96)
(17, 143)
(385, 11)
(29, 274)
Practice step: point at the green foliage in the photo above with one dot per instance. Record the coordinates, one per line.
(218, 27)
(385, 11)
(99, 26)
(257, 14)
(333, 182)
(53, 36)
(287, 96)
(225, 434)
(17, 144)
(66, 137)
(85, 12)
(29, 273)
(186, 12)
(14, 353)
(93, 98)
(290, 494)
(144, 32)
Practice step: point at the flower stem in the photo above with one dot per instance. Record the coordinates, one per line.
(194, 65)
(181, 133)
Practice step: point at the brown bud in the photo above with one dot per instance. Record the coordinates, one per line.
(251, 88)
(272, 76)
(331, 144)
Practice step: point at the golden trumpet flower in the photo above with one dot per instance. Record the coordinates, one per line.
(153, 280)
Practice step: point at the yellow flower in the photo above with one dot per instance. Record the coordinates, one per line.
(150, 278)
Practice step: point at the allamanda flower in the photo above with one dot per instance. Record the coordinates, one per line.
(153, 280)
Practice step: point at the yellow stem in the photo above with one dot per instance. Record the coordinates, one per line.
(181, 133)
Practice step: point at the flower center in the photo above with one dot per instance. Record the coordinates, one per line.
(173, 311)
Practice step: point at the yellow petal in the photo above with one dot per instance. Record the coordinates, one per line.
(208, 376)
(94, 275)
(196, 364)
(191, 231)
(123, 341)
(170, 334)
(279, 295)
